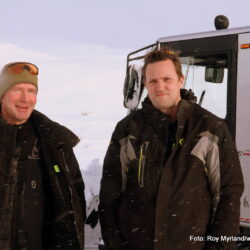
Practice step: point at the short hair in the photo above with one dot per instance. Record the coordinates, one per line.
(157, 55)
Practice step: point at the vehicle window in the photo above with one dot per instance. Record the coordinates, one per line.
(207, 77)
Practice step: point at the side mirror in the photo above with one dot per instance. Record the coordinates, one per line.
(214, 75)
(133, 87)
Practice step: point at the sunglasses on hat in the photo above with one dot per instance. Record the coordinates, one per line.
(18, 68)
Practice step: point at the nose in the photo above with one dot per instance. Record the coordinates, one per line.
(24, 96)
(159, 85)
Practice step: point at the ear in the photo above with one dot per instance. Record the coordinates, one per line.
(181, 81)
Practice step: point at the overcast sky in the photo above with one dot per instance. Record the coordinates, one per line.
(128, 24)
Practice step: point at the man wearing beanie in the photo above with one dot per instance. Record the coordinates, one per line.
(42, 203)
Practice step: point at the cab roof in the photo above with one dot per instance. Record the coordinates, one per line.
(222, 32)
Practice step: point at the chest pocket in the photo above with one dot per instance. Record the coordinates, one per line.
(131, 152)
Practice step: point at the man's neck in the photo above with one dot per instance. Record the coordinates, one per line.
(171, 112)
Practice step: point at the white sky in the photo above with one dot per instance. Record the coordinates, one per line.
(113, 23)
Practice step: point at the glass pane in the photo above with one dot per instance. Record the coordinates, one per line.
(211, 95)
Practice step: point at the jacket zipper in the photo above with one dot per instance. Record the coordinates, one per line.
(167, 164)
(141, 165)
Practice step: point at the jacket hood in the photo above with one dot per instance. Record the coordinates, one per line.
(52, 130)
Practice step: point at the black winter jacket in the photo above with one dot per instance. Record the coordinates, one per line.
(163, 192)
(64, 187)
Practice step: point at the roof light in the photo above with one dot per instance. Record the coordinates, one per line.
(245, 46)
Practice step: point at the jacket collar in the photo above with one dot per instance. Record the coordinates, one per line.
(48, 129)
(154, 116)
(160, 120)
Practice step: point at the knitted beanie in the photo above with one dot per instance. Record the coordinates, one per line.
(7, 80)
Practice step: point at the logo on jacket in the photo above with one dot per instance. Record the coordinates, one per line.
(35, 151)
(180, 142)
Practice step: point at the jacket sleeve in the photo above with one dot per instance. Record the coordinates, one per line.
(76, 183)
(226, 218)
(77, 180)
(110, 197)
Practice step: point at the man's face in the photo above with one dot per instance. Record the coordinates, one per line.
(18, 103)
(163, 85)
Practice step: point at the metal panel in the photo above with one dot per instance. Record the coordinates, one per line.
(243, 123)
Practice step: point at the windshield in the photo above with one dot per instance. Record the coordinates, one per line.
(207, 77)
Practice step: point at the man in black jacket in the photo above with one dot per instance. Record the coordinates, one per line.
(42, 203)
(171, 176)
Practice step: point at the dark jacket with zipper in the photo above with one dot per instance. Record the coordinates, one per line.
(63, 186)
(164, 184)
